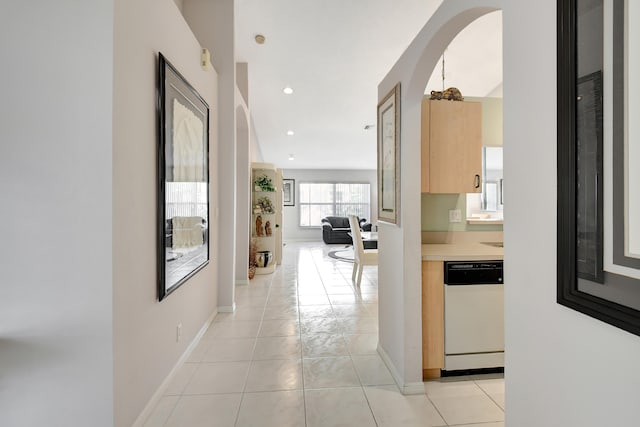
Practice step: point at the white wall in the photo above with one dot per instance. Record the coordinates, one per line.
(563, 368)
(291, 215)
(56, 360)
(213, 24)
(399, 269)
(145, 347)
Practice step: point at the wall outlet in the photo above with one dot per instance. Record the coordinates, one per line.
(178, 332)
(455, 215)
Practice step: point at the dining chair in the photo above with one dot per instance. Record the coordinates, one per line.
(361, 256)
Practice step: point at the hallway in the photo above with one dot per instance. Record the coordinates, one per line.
(300, 350)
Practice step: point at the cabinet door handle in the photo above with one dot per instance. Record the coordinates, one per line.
(477, 181)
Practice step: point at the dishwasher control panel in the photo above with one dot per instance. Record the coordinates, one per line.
(473, 272)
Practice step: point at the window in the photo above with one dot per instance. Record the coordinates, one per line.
(318, 200)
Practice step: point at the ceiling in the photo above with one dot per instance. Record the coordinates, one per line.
(333, 53)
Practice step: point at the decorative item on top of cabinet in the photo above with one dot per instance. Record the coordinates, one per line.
(451, 94)
(451, 146)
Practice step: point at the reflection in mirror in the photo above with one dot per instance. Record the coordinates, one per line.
(187, 228)
(488, 205)
(596, 274)
(183, 180)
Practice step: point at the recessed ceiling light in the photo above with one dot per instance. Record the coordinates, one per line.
(290, 132)
(260, 39)
(291, 157)
(287, 90)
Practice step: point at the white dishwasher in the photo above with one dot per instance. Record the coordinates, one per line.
(473, 315)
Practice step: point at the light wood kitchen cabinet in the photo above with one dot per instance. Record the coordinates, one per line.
(451, 146)
(432, 318)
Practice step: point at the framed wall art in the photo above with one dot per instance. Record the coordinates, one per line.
(599, 160)
(183, 180)
(389, 157)
(289, 192)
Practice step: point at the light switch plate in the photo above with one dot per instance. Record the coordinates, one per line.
(455, 215)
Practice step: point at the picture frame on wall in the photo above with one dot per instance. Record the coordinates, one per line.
(182, 180)
(289, 192)
(598, 248)
(388, 126)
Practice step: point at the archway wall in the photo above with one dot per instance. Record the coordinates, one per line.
(399, 271)
(243, 190)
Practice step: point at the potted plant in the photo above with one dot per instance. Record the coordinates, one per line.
(264, 183)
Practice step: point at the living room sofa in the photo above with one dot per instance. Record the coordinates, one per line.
(336, 229)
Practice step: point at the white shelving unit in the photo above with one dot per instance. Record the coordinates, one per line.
(266, 213)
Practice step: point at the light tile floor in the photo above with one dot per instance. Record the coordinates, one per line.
(300, 350)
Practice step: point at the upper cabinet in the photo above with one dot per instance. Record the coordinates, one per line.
(451, 146)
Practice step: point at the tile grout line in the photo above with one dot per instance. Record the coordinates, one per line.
(253, 350)
(489, 396)
(304, 389)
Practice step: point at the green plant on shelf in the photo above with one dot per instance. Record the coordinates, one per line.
(264, 183)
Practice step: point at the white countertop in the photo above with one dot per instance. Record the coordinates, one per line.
(461, 252)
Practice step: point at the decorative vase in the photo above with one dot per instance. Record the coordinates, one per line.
(264, 258)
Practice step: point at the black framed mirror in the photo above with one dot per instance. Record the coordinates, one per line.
(598, 156)
(183, 180)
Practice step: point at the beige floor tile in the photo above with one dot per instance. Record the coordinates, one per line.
(452, 388)
(311, 311)
(369, 298)
(241, 313)
(274, 375)
(221, 377)
(351, 310)
(272, 409)
(466, 409)
(286, 312)
(359, 325)
(319, 325)
(270, 348)
(249, 300)
(362, 344)
(329, 372)
(338, 408)
(229, 350)
(335, 289)
(276, 300)
(323, 345)
(391, 408)
(372, 370)
(234, 329)
(279, 328)
(498, 424)
(312, 299)
(217, 410)
(344, 299)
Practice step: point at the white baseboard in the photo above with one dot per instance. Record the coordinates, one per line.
(150, 406)
(405, 388)
(227, 308)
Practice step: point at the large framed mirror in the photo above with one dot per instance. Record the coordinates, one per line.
(599, 160)
(183, 180)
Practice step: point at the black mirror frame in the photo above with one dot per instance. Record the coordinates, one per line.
(568, 293)
(164, 139)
